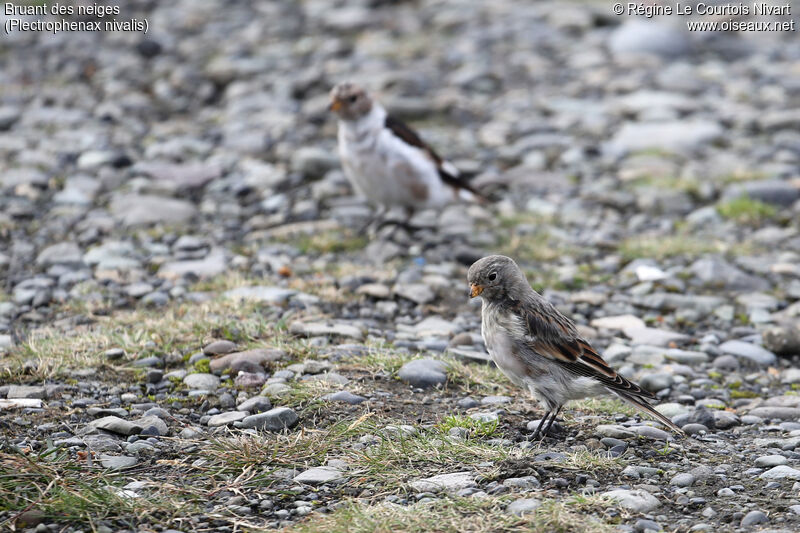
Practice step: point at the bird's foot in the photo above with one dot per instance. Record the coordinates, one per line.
(545, 425)
(392, 227)
(404, 224)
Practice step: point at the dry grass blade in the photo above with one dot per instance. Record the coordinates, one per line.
(457, 515)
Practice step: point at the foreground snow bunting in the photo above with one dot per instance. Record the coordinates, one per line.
(539, 349)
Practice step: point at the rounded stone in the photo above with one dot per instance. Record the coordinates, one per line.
(753, 518)
(201, 381)
(424, 373)
(682, 480)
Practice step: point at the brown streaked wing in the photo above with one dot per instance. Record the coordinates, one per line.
(552, 335)
(590, 357)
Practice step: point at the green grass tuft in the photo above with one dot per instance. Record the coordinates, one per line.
(746, 210)
(203, 365)
(665, 246)
(475, 428)
(329, 242)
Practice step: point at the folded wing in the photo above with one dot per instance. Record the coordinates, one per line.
(447, 172)
(554, 336)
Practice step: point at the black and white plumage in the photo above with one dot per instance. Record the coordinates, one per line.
(386, 161)
(540, 349)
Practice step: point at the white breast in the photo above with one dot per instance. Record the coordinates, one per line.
(500, 346)
(546, 380)
(385, 169)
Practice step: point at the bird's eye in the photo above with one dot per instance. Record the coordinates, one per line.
(492, 276)
(353, 98)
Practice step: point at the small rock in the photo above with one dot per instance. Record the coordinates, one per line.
(495, 400)
(725, 419)
(321, 329)
(152, 425)
(754, 517)
(115, 424)
(651, 432)
(776, 192)
(249, 380)
(485, 416)
(522, 506)
(33, 403)
(784, 340)
(643, 525)
(117, 462)
(276, 389)
(524, 483)
(256, 404)
(140, 446)
(424, 373)
(319, 475)
(141, 210)
(468, 403)
(618, 323)
(146, 362)
(682, 480)
(694, 429)
(26, 392)
(637, 500)
(714, 271)
(219, 347)
(31, 518)
(768, 461)
(781, 413)
(63, 253)
(276, 419)
(447, 482)
(375, 290)
(201, 381)
(213, 264)
(114, 354)
(657, 382)
(614, 431)
(435, 326)
(654, 336)
(748, 351)
(419, 293)
(345, 397)
(253, 361)
(223, 419)
(269, 295)
(791, 376)
(313, 162)
(781, 472)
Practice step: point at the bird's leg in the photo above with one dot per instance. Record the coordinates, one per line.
(374, 220)
(552, 419)
(405, 223)
(540, 426)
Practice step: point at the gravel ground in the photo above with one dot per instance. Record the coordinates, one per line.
(195, 335)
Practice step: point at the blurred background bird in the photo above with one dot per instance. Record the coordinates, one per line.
(387, 162)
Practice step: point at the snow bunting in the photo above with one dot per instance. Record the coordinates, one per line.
(386, 161)
(539, 349)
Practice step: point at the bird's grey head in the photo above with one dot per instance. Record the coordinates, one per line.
(349, 101)
(495, 277)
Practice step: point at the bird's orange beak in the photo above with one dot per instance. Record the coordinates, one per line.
(336, 105)
(475, 290)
